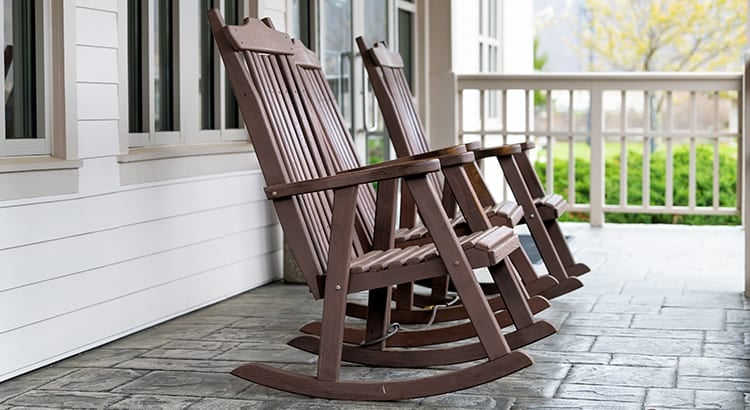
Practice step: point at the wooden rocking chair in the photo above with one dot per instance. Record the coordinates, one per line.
(318, 214)
(385, 70)
(339, 156)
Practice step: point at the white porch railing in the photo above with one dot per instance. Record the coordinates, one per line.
(598, 116)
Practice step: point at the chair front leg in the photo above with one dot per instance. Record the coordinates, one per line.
(337, 283)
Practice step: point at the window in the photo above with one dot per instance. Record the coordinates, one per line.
(406, 39)
(178, 93)
(25, 82)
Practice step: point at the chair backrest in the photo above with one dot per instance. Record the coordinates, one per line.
(260, 68)
(331, 133)
(386, 71)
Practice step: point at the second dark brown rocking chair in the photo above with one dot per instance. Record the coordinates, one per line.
(386, 72)
(336, 253)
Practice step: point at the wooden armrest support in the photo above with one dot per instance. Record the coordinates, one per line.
(525, 146)
(358, 176)
(501, 151)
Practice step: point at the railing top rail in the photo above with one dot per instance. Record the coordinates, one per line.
(692, 81)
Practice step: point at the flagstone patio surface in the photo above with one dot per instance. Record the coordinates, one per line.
(660, 323)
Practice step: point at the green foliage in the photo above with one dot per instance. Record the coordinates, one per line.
(540, 60)
(681, 160)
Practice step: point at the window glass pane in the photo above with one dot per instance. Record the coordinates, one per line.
(376, 20)
(165, 83)
(406, 44)
(137, 106)
(232, 120)
(336, 44)
(301, 17)
(207, 81)
(21, 70)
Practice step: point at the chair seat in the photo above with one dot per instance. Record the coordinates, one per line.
(484, 248)
(551, 206)
(505, 213)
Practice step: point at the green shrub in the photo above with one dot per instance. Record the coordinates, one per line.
(681, 159)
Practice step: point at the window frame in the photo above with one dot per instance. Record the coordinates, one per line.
(187, 26)
(42, 144)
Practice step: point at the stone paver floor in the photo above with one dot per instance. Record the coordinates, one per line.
(660, 323)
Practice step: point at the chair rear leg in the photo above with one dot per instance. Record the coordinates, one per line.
(378, 316)
(563, 250)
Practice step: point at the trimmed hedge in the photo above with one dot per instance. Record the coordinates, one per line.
(681, 159)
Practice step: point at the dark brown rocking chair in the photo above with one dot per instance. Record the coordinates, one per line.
(385, 70)
(318, 214)
(339, 155)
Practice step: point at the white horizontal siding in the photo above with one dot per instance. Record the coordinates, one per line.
(98, 138)
(107, 5)
(96, 65)
(46, 221)
(96, 28)
(97, 101)
(28, 265)
(121, 279)
(45, 342)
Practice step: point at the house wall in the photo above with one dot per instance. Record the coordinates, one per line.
(142, 240)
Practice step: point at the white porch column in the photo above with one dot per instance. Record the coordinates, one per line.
(440, 121)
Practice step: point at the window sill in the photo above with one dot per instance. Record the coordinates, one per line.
(38, 176)
(152, 164)
(36, 163)
(182, 151)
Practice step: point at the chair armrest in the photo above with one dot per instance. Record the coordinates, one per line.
(501, 151)
(357, 176)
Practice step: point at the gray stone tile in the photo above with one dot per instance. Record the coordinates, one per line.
(645, 333)
(736, 351)
(517, 387)
(730, 384)
(718, 399)
(563, 343)
(238, 334)
(190, 349)
(544, 370)
(714, 367)
(647, 346)
(621, 376)
(102, 357)
(197, 318)
(729, 336)
(216, 366)
(465, 401)
(140, 401)
(541, 356)
(184, 331)
(601, 393)
(93, 380)
(558, 403)
(643, 361)
(672, 398)
(190, 384)
(599, 319)
(229, 404)
(698, 299)
(604, 307)
(66, 400)
(21, 384)
(258, 352)
(682, 318)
